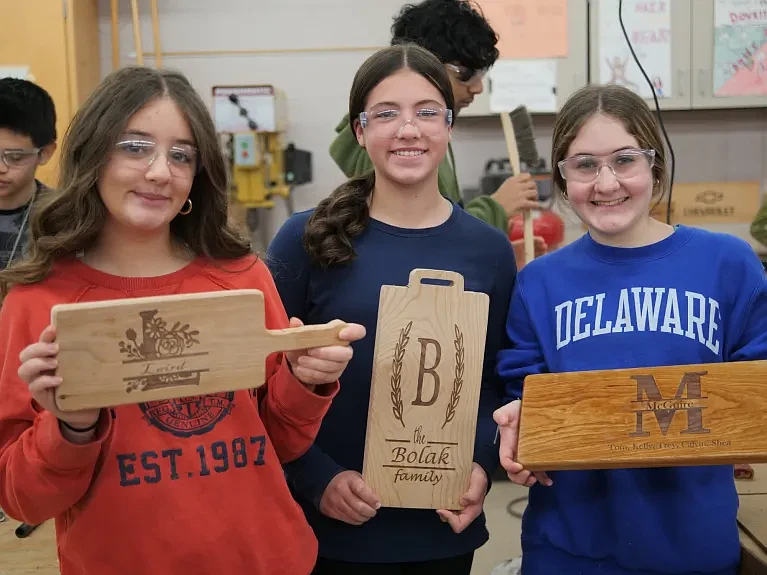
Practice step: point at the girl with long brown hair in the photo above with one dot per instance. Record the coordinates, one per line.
(373, 231)
(192, 485)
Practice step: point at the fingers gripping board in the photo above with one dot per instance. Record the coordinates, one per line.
(154, 348)
(427, 372)
(702, 414)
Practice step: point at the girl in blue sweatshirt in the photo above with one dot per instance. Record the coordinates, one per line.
(332, 261)
(632, 292)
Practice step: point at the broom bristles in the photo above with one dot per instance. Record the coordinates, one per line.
(522, 122)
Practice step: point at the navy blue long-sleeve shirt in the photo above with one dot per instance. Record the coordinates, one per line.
(385, 256)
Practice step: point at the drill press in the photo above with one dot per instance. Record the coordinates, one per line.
(251, 122)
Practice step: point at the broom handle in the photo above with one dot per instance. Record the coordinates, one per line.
(511, 147)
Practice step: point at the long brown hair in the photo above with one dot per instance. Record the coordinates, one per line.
(617, 102)
(344, 214)
(73, 217)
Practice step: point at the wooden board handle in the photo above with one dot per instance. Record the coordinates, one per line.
(307, 336)
(418, 275)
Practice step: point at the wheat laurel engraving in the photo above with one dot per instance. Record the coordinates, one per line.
(396, 378)
(455, 395)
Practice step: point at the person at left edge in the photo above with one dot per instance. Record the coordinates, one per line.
(373, 231)
(27, 141)
(192, 485)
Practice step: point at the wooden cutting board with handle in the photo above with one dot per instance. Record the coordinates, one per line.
(154, 348)
(427, 371)
(703, 414)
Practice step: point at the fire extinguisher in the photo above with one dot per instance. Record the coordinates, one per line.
(546, 224)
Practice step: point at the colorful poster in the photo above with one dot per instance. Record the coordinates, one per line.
(648, 25)
(740, 48)
(528, 28)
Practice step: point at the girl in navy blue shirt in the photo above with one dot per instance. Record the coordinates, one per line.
(332, 261)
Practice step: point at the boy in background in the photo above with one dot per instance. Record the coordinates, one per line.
(759, 225)
(459, 35)
(27, 140)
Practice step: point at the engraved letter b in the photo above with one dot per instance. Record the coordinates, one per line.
(430, 370)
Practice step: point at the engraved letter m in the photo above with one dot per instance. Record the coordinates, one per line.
(647, 387)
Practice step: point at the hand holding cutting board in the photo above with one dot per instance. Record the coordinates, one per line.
(507, 418)
(322, 365)
(38, 370)
(312, 366)
(92, 357)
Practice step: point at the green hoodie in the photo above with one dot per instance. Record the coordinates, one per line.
(354, 161)
(759, 225)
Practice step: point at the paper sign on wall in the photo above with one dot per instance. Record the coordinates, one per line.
(530, 83)
(740, 48)
(21, 72)
(528, 28)
(648, 25)
(704, 203)
(262, 104)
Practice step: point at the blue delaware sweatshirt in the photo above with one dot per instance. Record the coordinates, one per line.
(694, 297)
(385, 256)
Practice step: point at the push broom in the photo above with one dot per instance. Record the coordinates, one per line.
(520, 144)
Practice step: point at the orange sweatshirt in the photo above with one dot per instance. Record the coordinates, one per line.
(188, 486)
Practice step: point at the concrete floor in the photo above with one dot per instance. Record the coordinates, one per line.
(504, 528)
(37, 554)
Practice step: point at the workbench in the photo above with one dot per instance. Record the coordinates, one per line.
(752, 518)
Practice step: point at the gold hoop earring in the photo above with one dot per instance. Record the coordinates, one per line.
(186, 210)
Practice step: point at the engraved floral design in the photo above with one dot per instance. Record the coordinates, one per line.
(158, 341)
(455, 395)
(155, 327)
(396, 378)
(170, 344)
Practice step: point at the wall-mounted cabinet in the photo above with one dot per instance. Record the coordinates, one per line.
(694, 59)
(572, 71)
(692, 55)
(57, 41)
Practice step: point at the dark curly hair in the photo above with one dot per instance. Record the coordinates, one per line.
(344, 214)
(453, 30)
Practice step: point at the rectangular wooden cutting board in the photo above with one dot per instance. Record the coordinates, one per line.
(645, 417)
(427, 372)
(153, 348)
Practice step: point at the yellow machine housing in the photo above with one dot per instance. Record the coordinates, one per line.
(258, 170)
(252, 120)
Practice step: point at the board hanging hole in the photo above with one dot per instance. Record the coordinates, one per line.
(437, 282)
